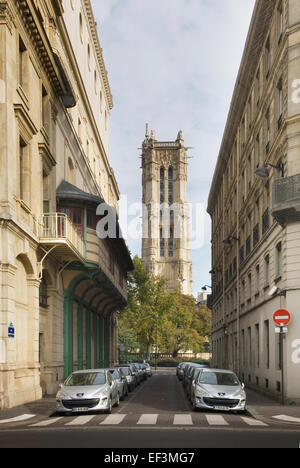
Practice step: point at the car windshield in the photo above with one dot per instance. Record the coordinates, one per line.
(86, 378)
(219, 378)
(114, 373)
(126, 370)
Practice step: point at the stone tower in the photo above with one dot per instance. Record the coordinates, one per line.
(166, 238)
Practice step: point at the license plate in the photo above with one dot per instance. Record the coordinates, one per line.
(221, 408)
(79, 410)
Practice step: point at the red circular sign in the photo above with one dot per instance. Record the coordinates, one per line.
(282, 318)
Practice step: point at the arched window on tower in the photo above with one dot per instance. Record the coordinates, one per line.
(170, 186)
(162, 185)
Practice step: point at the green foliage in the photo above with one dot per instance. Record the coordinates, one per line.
(153, 314)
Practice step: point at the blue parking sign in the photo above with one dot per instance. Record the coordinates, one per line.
(11, 331)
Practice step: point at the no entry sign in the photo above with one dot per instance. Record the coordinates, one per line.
(282, 318)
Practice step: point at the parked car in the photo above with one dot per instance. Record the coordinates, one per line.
(134, 373)
(191, 377)
(179, 370)
(148, 369)
(131, 380)
(186, 374)
(218, 390)
(121, 380)
(88, 391)
(182, 368)
(142, 370)
(191, 374)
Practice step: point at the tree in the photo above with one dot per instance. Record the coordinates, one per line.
(147, 305)
(179, 332)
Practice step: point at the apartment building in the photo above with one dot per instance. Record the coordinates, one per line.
(254, 207)
(62, 285)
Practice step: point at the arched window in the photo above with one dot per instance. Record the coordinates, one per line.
(170, 186)
(162, 185)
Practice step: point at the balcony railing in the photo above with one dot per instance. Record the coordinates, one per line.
(57, 229)
(286, 199)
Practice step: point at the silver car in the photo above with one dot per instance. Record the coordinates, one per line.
(121, 380)
(218, 390)
(131, 381)
(88, 391)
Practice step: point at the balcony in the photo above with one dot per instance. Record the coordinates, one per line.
(97, 253)
(286, 200)
(58, 233)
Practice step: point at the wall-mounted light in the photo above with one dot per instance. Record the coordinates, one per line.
(229, 239)
(205, 287)
(264, 173)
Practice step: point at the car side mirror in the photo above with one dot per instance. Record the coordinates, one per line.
(243, 386)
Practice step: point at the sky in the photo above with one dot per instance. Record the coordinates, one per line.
(172, 64)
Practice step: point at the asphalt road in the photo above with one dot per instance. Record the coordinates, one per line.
(156, 416)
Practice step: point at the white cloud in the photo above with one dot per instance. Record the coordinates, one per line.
(173, 64)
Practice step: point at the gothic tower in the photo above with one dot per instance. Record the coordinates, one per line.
(166, 242)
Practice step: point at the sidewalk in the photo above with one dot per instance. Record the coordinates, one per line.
(40, 408)
(267, 410)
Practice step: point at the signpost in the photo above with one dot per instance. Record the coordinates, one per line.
(281, 319)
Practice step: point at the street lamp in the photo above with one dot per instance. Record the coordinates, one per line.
(263, 172)
(205, 287)
(229, 239)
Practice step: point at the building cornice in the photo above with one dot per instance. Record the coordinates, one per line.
(98, 49)
(262, 15)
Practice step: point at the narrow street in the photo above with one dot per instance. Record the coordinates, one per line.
(157, 414)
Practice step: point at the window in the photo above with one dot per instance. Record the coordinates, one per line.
(162, 185)
(268, 132)
(170, 185)
(44, 108)
(267, 270)
(171, 243)
(268, 58)
(24, 172)
(22, 52)
(162, 243)
(81, 27)
(267, 343)
(265, 221)
(280, 104)
(278, 260)
(43, 294)
(280, 24)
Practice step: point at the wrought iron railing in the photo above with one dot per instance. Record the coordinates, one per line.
(57, 226)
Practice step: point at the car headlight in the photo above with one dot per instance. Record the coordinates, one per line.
(200, 392)
(62, 396)
(105, 392)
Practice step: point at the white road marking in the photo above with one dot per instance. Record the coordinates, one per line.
(24, 417)
(183, 420)
(80, 420)
(113, 419)
(216, 420)
(48, 422)
(253, 422)
(146, 419)
(283, 417)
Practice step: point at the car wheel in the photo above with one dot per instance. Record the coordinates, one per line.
(194, 405)
(109, 409)
(118, 401)
(123, 395)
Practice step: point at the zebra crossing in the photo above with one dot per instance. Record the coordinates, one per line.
(151, 420)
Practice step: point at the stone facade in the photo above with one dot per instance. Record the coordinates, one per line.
(61, 287)
(166, 241)
(255, 235)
